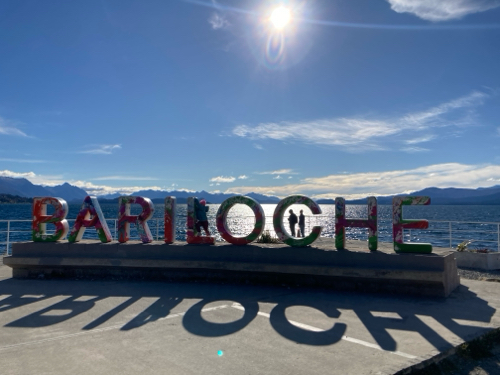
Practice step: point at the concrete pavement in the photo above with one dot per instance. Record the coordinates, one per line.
(108, 327)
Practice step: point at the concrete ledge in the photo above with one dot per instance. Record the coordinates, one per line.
(429, 274)
(484, 261)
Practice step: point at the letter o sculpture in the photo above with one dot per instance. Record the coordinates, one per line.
(221, 219)
(278, 220)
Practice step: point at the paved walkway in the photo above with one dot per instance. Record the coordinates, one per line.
(118, 327)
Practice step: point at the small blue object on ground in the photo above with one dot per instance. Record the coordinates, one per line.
(220, 353)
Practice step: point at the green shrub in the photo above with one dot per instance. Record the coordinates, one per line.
(462, 246)
(267, 237)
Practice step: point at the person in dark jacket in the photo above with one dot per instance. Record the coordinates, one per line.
(302, 223)
(201, 216)
(292, 219)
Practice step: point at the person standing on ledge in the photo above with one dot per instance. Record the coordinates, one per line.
(302, 223)
(201, 216)
(292, 219)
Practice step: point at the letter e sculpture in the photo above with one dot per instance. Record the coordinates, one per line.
(398, 224)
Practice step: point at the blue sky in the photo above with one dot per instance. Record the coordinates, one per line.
(350, 98)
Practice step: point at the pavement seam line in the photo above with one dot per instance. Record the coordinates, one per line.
(346, 338)
(97, 330)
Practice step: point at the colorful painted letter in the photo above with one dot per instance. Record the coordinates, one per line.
(89, 216)
(40, 219)
(192, 235)
(341, 223)
(278, 220)
(170, 211)
(398, 224)
(222, 227)
(140, 221)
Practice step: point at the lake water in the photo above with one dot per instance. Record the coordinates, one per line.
(477, 224)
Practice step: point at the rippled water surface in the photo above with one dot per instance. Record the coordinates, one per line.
(241, 221)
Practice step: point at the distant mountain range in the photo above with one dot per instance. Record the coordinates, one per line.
(21, 187)
(158, 196)
(439, 196)
(24, 188)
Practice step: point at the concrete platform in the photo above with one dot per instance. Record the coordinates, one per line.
(487, 261)
(320, 265)
(120, 327)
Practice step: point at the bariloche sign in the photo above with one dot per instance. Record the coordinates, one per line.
(91, 215)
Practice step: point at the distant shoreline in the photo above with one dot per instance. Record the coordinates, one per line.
(8, 198)
(160, 201)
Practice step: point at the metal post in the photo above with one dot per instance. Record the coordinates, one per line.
(115, 229)
(157, 229)
(8, 238)
(450, 235)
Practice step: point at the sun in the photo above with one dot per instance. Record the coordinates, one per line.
(280, 17)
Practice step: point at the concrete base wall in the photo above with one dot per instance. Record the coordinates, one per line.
(488, 261)
(420, 274)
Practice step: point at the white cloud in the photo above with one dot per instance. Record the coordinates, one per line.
(412, 150)
(23, 160)
(223, 179)
(279, 171)
(186, 190)
(94, 189)
(101, 149)
(242, 177)
(442, 10)
(278, 177)
(6, 173)
(363, 134)
(218, 21)
(425, 138)
(8, 127)
(124, 178)
(358, 185)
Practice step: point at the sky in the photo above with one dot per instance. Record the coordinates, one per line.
(347, 98)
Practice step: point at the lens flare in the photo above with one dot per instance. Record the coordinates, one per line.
(280, 17)
(275, 48)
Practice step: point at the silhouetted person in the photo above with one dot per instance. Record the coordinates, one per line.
(201, 216)
(302, 223)
(292, 219)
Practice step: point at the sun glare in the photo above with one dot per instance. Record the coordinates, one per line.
(280, 17)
